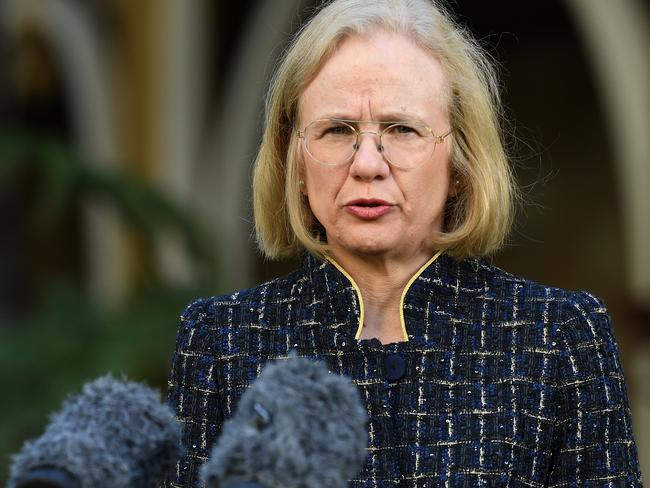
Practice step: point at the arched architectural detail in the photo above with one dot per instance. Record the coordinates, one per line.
(616, 36)
(86, 72)
(178, 122)
(233, 137)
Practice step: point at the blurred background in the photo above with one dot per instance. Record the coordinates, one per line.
(127, 135)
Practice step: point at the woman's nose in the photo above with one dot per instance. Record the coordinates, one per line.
(369, 161)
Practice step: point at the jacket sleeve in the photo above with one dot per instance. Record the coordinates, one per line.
(194, 391)
(595, 446)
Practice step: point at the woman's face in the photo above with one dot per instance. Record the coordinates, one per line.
(381, 77)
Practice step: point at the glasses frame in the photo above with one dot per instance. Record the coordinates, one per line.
(438, 139)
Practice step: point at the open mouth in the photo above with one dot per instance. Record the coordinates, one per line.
(369, 203)
(369, 209)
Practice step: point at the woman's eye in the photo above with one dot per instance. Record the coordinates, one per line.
(403, 130)
(339, 130)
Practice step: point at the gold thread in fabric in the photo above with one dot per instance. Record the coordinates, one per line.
(356, 288)
(406, 289)
(401, 302)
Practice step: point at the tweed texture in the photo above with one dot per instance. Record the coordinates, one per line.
(312, 433)
(508, 383)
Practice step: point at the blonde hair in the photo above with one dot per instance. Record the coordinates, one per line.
(478, 218)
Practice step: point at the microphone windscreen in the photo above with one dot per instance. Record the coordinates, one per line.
(298, 425)
(114, 434)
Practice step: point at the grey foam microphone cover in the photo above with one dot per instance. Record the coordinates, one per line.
(297, 426)
(114, 434)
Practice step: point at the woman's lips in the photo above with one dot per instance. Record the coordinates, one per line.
(368, 209)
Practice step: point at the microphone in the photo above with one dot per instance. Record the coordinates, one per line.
(114, 434)
(297, 426)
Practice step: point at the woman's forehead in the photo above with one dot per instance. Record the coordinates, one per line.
(383, 72)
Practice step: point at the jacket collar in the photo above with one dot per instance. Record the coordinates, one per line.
(432, 294)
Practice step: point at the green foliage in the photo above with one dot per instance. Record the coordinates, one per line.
(69, 340)
(66, 180)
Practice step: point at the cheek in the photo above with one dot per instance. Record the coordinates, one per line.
(321, 192)
(324, 187)
(427, 193)
(323, 183)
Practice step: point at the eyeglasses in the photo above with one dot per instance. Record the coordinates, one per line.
(334, 142)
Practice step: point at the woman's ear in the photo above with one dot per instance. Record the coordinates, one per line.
(300, 161)
(302, 180)
(302, 183)
(454, 185)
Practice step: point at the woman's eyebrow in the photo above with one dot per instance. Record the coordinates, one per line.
(339, 116)
(400, 116)
(383, 118)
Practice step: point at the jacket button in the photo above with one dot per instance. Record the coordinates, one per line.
(395, 366)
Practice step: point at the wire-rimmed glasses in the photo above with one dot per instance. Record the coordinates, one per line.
(334, 142)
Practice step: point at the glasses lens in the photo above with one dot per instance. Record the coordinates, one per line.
(330, 142)
(407, 145)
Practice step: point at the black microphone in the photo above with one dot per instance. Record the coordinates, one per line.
(114, 434)
(297, 426)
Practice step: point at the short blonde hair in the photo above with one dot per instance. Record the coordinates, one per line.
(478, 218)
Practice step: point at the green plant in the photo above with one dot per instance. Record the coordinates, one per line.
(66, 180)
(68, 338)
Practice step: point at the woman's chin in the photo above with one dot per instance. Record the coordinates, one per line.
(368, 246)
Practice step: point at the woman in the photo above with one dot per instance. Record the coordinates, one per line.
(382, 163)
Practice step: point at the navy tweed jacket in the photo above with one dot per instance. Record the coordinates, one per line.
(502, 382)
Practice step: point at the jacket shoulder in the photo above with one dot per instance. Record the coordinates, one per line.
(272, 290)
(527, 296)
(501, 282)
(202, 317)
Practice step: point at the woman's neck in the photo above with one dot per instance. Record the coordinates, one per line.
(381, 281)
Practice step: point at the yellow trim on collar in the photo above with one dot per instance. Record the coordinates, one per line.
(401, 302)
(406, 289)
(356, 288)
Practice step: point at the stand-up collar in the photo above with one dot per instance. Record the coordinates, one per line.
(429, 293)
